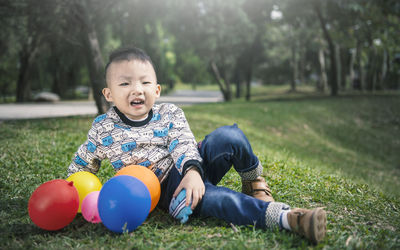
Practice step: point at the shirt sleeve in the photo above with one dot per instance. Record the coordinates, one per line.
(182, 144)
(88, 157)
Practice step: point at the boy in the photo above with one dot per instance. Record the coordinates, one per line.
(157, 136)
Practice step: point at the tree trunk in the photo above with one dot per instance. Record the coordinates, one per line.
(344, 60)
(333, 81)
(225, 90)
(71, 77)
(249, 76)
(238, 88)
(359, 83)
(237, 78)
(338, 65)
(23, 88)
(56, 70)
(323, 79)
(294, 67)
(93, 56)
(384, 69)
(26, 56)
(302, 63)
(252, 57)
(228, 87)
(352, 74)
(371, 69)
(96, 65)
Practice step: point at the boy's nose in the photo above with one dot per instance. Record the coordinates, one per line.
(136, 89)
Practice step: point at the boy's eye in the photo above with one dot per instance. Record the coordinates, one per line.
(146, 82)
(124, 84)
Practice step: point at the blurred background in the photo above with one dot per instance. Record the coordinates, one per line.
(57, 49)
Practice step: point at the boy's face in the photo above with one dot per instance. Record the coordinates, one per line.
(132, 87)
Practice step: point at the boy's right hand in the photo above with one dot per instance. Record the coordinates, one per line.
(194, 186)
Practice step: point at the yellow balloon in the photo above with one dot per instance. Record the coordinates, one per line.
(85, 183)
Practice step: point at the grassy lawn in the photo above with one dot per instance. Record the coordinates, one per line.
(341, 153)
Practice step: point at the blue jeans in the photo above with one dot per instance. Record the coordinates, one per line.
(224, 147)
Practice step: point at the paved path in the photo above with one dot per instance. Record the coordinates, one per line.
(72, 108)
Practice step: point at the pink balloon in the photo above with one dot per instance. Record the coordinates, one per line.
(89, 207)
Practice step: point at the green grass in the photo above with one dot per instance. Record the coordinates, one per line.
(340, 153)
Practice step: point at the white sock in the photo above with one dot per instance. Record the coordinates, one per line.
(283, 219)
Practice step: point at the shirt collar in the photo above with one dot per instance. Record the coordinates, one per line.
(129, 122)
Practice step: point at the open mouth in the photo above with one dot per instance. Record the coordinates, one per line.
(137, 102)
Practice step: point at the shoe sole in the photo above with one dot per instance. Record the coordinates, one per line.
(318, 225)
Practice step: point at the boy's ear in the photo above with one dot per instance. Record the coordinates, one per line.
(107, 94)
(158, 90)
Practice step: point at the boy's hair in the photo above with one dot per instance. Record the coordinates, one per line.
(127, 54)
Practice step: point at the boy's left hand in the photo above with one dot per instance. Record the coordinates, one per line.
(194, 186)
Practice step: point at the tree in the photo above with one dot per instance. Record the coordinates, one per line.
(185, 22)
(230, 35)
(218, 31)
(56, 44)
(40, 25)
(333, 79)
(302, 39)
(143, 24)
(10, 21)
(258, 13)
(86, 12)
(32, 22)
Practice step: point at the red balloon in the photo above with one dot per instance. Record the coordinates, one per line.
(54, 204)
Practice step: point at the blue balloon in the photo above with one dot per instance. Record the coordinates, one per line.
(124, 203)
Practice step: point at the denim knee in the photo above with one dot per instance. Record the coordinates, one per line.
(229, 136)
(225, 146)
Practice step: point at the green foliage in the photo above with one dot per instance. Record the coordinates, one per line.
(42, 41)
(339, 153)
(192, 69)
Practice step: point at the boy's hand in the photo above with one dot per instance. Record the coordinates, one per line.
(194, 186)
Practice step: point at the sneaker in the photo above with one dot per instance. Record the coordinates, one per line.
(308, 223)
(257, 188)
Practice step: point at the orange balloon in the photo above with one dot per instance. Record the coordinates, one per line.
(147, 177)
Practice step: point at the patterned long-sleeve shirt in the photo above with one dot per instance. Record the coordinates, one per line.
(160, 142)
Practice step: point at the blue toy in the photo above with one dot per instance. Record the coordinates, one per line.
(178, 208)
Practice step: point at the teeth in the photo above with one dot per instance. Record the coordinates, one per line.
(137, 102)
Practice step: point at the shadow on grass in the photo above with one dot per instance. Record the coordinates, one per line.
(13, 212)
(15, 224)
(17, 231)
